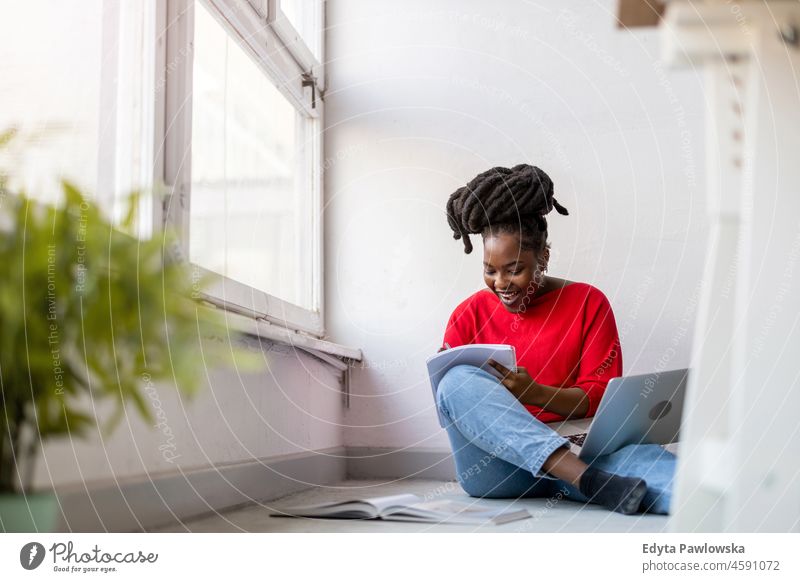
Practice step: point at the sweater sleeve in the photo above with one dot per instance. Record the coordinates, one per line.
(461, 326)
(601, 352)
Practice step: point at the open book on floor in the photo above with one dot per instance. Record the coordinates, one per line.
(408, 507)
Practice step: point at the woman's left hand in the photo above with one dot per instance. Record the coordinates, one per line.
(520, 384)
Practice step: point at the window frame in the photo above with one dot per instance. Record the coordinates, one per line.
(249, 26)
(291, 37)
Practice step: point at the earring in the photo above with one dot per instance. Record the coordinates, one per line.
(538, 277)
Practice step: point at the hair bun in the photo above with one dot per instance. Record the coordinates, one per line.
(502, 196)
(541, 188)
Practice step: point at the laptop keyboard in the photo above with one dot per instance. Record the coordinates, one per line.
(577, 439)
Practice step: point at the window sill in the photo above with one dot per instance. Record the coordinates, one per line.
(331, 353)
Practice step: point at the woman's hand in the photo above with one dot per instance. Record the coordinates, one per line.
(520, 384)
(568, 402)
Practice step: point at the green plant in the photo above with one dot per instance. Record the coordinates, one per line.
(88, 310)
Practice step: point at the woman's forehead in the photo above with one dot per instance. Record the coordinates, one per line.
(504, 248)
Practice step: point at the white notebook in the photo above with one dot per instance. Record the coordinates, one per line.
(408, 507)
(472, 354)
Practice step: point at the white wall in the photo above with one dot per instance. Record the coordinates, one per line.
(293, 406)
(424, 95)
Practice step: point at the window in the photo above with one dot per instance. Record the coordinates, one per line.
(78, 83)
(208, 97)
(304, 18)
(299, 24)
(250, 211)
(243, 154)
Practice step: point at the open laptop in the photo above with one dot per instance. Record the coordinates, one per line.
(634, 409)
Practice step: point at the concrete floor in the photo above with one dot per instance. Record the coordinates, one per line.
(547, 515)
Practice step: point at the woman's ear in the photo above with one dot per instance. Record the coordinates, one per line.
(544, 260)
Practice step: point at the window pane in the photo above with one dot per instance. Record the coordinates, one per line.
(78, 81)
(250, 217)
(51, 89)
(304, 16)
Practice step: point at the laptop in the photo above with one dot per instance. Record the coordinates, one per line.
(643, 409)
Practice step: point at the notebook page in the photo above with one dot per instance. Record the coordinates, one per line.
(473, 355)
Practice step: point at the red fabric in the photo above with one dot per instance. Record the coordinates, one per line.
(566, 337)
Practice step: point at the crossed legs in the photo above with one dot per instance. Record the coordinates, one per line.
(501, 450)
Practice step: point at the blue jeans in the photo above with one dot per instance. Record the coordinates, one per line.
(499, 447)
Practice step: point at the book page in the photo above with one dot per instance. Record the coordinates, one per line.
(382, 503)
(446, 507)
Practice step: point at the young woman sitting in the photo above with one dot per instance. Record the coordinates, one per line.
(567, 349)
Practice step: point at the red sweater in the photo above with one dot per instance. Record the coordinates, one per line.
(566, 337)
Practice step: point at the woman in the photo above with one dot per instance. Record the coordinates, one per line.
(567, 350)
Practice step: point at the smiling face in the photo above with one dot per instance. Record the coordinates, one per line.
(510, 271)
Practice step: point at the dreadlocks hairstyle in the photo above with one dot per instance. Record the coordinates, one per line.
(512, 200)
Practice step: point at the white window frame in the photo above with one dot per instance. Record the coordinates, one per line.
(290, 37)
(248, 23)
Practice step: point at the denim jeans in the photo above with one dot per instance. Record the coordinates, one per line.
(499, 446)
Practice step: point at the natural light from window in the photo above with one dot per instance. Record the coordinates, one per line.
(250, 200)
